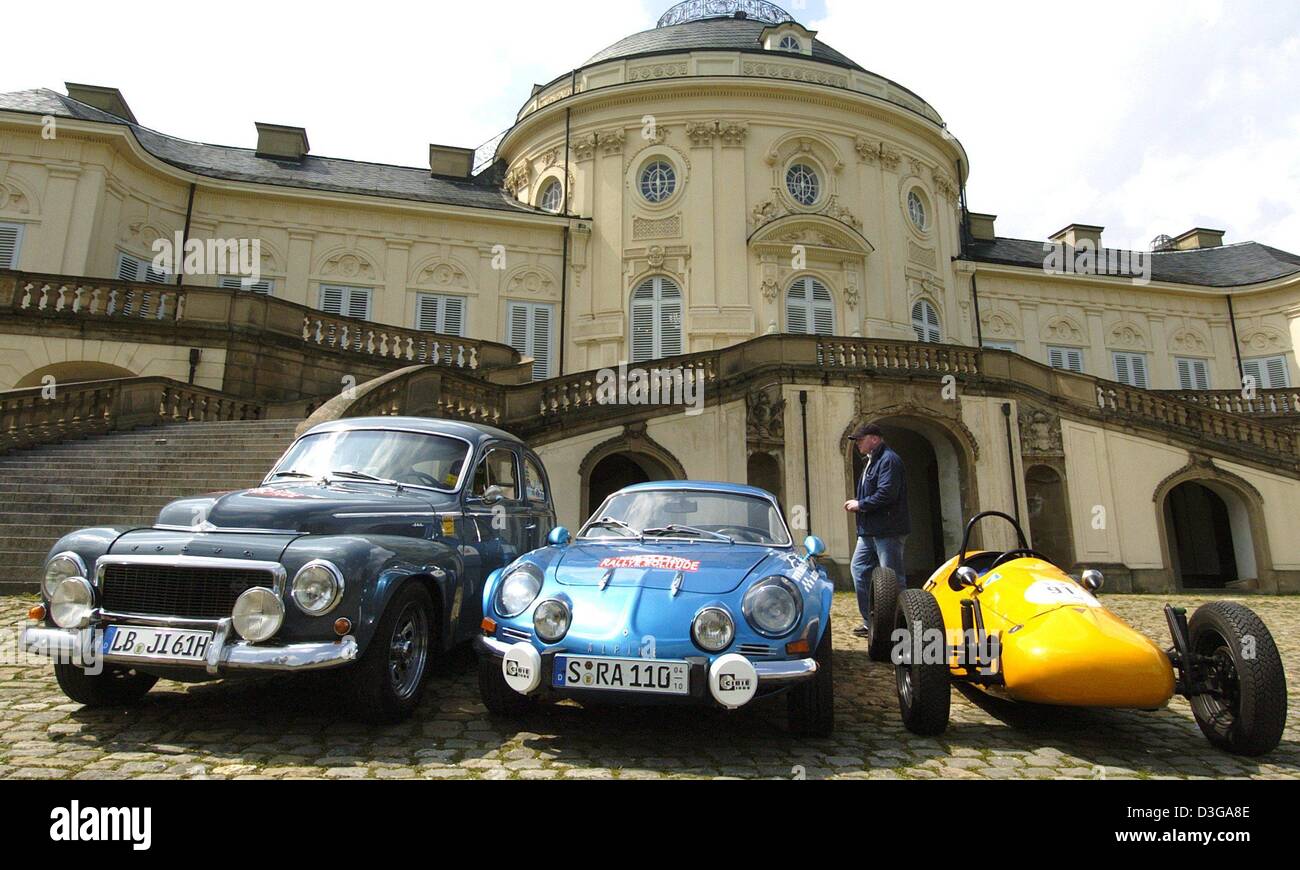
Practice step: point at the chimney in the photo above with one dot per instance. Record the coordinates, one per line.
(1196, 239)
(981, 226)
(105, 99)
(1074, 234)
(453, 162)
(282, 143)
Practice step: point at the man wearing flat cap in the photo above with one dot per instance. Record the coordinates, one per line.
(883, 519)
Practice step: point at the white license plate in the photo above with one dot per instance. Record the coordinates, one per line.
(622, 675)
(170, 644)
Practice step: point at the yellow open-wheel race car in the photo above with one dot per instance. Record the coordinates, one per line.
(1017, 627)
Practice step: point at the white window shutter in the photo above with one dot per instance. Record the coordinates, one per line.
(1075, 360)
(128, 268)
(517, 327)
(925, 322)
(1140, 379)
(453, 315)
(529, 331)
(359, 303)
(331, 300)
(11, 237)
(656, 320)
(1278, 373)
(810, 309)
(1122, 372)
(670, 328)
(1201, 369)
(265, 287)
(1186, 380)
(796, 312)
(542, 342)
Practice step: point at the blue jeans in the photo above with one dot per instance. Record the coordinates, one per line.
(870, 553)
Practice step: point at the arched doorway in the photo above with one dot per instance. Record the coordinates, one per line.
(1049, 515)
(1211, 542)
(617, 470)
(764, 471)
(936, 487)
(73, 372)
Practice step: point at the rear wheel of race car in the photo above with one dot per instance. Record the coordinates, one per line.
(498, 697)
(112, 687)
(1246, 712)
(924, 694)
(885, 590)
(387, 682)
(811, 705)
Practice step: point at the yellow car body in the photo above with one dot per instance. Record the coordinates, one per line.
(1057, 643)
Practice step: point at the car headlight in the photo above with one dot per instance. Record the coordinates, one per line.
(61, 567)
(773, 607)
(317, 587)
(72, 603)
(713, 629)
(258, 615)
(518, 590)
(551, 620)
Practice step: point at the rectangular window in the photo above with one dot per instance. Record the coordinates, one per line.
(134, 269)
(11, 240)
(1269, 372)
(1193, 374)
(1068, 358)
(346, 301)
(1131, 369)
(265, 287)
(530, 329)
(441, 314)
(1009, 346)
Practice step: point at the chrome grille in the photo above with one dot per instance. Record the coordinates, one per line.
(755, 649)
(515, 634)
(180, 591)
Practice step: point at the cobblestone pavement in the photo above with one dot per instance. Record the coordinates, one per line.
(284, 728)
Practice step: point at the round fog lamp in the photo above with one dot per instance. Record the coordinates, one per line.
(72, 602)
(258, 615)
(551, 619)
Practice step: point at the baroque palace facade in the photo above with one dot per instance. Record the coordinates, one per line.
(724, 193)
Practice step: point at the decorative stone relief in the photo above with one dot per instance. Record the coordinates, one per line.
(1189, 341)
(851, 296)
(946, 187)
(733, 133)
(1263, 339)
(13, 200)
(890, 157)
(533, 281)
(584, 147)
(349, 266)
(656, 71)
(927, 257)
(519, 177)
(793, 73)
(701, 133)
(773, 209)
(1065, 331)
(1040, 433)
(661, 228)
(998, 325)
(443, 274)
(770, 287)
(765, 414)
(868, 150)
(611, 142)
(1128, 336)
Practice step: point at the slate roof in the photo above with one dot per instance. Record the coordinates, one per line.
(314, 173)
(727, 34)
(1228, 266)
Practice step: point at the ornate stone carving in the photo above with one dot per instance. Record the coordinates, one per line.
(851, 296)
(765, 417)
(611, 142)
(584, 147)
(923, 255)
(1189, 341)
(794, 73)
(890, 156)
(519, 177)
(550, 158)
(443, 274)
(868, 150)
(996, 324)
(1128, 336)
(772, 209)
(533, 281)
(655, 257)
(946, 187)
(733, 133)
(662, 228)
(656, 71)
(1040, 433)
(13, 200)
(701, 133)
(1263, 339)
(1064, 330)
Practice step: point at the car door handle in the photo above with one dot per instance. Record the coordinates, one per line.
(531, 528)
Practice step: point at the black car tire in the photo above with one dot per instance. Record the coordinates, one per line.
(1250, 719)
(498, 697)
(924, 692)
(811, 705)
(383, 691)
(112, 687)
(885, 590)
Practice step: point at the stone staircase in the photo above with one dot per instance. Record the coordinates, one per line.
(121, 480)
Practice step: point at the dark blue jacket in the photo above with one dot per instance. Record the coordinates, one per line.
(882, 496)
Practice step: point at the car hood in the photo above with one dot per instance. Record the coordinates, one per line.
(709, 569)
(312, 508)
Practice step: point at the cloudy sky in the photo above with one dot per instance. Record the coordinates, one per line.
(1145, 116)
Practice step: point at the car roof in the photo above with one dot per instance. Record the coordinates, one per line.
(698, 486)
(475, 433)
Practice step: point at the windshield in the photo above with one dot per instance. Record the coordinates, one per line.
(688, 515)
(375, 455)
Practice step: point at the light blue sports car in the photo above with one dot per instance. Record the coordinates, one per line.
(679, 592)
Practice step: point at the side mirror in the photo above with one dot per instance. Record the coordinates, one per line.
(559, 537)
(815, 546)
(968, 577)
(493, 495)
(1093, 580)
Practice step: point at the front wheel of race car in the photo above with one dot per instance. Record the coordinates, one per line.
(885, 589)
(498, 697)
(811, 705)
(924, 695)
(1245, 711)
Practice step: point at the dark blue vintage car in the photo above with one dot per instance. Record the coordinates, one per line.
(365, 549)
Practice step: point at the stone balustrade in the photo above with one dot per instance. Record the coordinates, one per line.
(43, 415)
(1261, 403)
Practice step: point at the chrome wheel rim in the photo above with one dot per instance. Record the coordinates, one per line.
(408, 650)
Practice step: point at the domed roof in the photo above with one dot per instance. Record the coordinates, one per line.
(702, 25)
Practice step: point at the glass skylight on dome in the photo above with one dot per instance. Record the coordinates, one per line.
(698, 10)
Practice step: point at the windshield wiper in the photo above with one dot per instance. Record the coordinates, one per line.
(690, 530)
(292, 474)
(610, 522)
(361, 475)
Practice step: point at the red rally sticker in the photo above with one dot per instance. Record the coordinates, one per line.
(664, 563)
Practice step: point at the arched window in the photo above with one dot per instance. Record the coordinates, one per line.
(656, 320)
(925, 321)
(552, 196)
(809, 308)
(790, 43)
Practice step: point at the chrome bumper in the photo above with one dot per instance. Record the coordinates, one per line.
(74, 645)
(769, 673)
